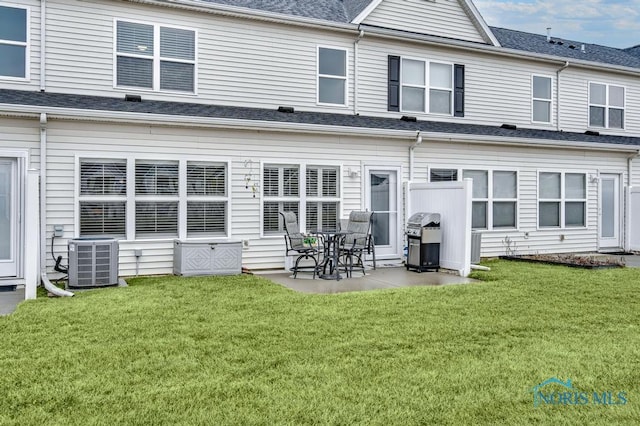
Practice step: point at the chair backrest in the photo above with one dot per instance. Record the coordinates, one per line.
(360, 225)
(292, 229)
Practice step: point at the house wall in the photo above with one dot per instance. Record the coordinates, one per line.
(68, 140)
(240, 62)
(441, 18)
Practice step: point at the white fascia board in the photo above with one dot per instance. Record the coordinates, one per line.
(475, 16)
(495, 50)
(366, 12)
(246, 13)
(277, 126)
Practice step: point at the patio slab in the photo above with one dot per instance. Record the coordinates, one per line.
(381, 278)
(9, 300)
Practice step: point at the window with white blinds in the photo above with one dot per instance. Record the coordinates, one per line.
(103, 188)
(155, 57)
(316, 206)
(179, 198)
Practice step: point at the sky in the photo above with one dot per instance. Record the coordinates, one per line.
(614, 23)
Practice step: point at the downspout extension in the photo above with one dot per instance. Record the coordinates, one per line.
(48, 285)
(562, 68)
(355, 71)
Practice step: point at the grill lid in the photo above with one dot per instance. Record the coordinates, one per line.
(424, 219)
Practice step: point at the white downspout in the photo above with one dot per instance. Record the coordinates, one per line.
(627, 203)
(355, 72)
(562, 68)
(43, 43)
(43, 212)
(411, 148)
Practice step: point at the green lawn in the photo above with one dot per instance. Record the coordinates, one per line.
(242, 350)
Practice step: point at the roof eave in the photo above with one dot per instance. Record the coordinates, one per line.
(243, 12)
(244, 124)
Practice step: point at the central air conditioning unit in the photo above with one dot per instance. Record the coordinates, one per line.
(93, 262)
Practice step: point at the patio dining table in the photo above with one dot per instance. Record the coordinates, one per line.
(329, 268)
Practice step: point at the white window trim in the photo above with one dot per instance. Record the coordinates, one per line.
(427, 86)
(606, 106)
(302, 197)
(26, 45)
(490, 199)
(562, 200)
(156, 58)
(335, 77)
(131, 197)
(550, 100)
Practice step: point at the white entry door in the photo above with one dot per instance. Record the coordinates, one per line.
(381, 197)
(8, 218)
(609, 208)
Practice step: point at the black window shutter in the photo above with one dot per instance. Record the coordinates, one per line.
(393, 99)
(458, 96)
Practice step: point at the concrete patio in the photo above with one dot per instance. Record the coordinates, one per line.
(381, 278)
(9, 300)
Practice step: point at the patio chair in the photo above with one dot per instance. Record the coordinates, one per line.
(295, 243)
(359, 241)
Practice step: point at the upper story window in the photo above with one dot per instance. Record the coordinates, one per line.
(155, 57)
(562, 199)
(416, 85)
(14, 42)
(332, 76)
(606, 106)
(436, 97)
(541, 99)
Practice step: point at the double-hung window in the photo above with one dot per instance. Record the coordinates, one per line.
(155, 57)
(14, 42)
(562, 200)
(606, 106)
(426, 87)
(103, 197)
(323, 200)
(494, 198)
(541, 99)
(143, 198)
(332, 76)
(283, 190)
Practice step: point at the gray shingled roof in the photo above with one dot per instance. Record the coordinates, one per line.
(566, 49)
(635, 50)
(328, 10)
(83, 102)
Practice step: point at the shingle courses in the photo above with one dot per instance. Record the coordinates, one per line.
(84, 102)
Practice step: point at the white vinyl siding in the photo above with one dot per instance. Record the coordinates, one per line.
(416, 95)
(606, 106)
(562, 200)
(14, 41)
(332, 76)
(150, 199)
(541, 103)
(155, 57)
(440, 18)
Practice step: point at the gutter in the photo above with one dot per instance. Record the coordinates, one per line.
(256, 125)
(43, 212)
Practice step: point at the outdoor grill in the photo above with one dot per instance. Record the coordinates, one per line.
(423, 240)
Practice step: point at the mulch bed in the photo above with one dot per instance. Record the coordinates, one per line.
(571, 260)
